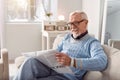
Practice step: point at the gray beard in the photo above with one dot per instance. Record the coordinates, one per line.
(76, 35)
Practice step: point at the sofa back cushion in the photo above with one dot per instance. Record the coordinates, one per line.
(59, 38)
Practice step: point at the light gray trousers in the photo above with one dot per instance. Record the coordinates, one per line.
(32, 69)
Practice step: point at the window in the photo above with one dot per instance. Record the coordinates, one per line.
(27, 10)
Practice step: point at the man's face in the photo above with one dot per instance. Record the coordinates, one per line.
(77, 25)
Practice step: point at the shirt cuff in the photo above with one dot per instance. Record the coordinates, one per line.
(78, 63)
(72, 62)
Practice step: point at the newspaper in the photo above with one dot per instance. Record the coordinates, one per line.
(48, 58)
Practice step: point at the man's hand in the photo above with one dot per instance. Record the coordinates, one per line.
(63, 59)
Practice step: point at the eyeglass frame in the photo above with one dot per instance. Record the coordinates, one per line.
(76, 23)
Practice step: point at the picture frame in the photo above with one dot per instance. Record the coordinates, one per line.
(61, 28)
(49, 27)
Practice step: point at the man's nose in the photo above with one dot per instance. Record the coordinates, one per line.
(73, 26)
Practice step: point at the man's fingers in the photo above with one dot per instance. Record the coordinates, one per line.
(62, 59)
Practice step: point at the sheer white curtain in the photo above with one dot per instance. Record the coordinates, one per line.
(40, 13)
(27, 10)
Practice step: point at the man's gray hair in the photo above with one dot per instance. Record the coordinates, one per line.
(83, 14)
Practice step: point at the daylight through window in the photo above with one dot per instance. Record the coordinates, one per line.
(26, 10)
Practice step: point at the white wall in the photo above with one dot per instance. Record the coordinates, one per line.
(113, 25)
(94, 9)
(67, 6)
(22, 37)
(64, 7)
(2, 24)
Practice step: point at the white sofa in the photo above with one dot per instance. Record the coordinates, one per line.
(112, 72)
(4, 66)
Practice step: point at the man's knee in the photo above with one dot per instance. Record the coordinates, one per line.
(31, 60)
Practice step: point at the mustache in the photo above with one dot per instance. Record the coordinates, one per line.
(74, 29)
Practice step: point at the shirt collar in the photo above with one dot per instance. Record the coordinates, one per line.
(80, 36)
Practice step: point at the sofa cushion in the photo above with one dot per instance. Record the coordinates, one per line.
(93, 75)
(113, 70)
(19, 61)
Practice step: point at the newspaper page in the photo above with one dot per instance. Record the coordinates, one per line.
(48, 58)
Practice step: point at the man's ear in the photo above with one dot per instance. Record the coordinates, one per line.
(86, 21)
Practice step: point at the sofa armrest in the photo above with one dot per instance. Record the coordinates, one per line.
(5, 64)
(4, 55)
(114, 43)
(1, 69)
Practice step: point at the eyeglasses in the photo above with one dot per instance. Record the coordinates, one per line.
(76, 23)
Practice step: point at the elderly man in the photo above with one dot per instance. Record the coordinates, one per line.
(78, 50)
